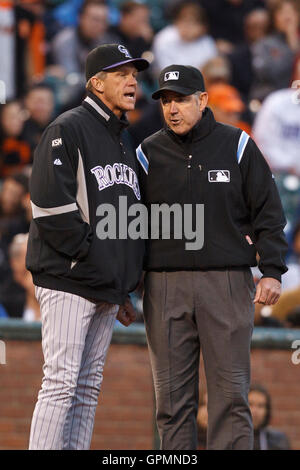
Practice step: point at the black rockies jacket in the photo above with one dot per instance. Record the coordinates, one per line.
(220, 167)
(82, 162)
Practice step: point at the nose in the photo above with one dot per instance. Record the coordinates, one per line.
(173, 107)
(133, 80)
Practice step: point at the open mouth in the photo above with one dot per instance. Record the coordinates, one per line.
(130, 95)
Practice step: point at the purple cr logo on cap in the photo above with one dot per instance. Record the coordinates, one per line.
(124, 51)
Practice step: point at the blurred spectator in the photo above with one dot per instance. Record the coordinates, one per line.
(39, 102)
(15, 217)
(202, 420)
(256, 25)
(7, 44)
(276, 131)
(71, 46)
(265, 437)
(158, 9)
(216, 70)
(64, 13)
(134, 30)
(227, 105)
(273, 56)
(15, 152)
(226, 20)
(18, 296)
(30, 43)
(186, 41)
(15, 208)
(59, 14)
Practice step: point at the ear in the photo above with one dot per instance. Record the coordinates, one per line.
(98, 84)
(203, 99)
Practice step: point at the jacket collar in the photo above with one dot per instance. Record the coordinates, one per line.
(104, 114)
(199, 131)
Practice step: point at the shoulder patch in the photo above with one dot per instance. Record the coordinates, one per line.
(56, 142)
(142, 159)
(244, 137)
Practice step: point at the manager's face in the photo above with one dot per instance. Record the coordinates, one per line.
(181, 112)
(118, 89)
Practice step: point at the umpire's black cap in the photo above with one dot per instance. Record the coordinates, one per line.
(108, 56)
(183, 79)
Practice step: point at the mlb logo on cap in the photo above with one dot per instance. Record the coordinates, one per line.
(182, 79)
(171, 76)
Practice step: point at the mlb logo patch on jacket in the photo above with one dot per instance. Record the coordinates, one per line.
(219, 176)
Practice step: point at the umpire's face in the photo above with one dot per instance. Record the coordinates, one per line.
(182, 112)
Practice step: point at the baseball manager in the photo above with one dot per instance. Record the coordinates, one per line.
(82, 281)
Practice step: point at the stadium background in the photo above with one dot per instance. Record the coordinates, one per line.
(249, 53)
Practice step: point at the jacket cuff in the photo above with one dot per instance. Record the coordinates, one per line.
(271, 272)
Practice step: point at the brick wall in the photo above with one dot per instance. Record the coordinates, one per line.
(275, 370)
(124, 418)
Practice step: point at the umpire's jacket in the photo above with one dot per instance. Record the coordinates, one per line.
(83, 161)
(220, 167)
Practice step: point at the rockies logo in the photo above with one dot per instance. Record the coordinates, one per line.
(124, 51)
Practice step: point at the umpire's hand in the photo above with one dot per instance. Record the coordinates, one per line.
(268, 291)
(126, 314)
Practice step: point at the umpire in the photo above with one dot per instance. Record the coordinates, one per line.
(204, 298)
(82, 279)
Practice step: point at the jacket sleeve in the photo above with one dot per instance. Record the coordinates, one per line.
(264, 204)
(53, 189)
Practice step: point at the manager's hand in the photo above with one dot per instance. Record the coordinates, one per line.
(268, 291)
(126, 313)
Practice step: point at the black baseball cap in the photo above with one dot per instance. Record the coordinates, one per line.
(183, 79)
(108, 56)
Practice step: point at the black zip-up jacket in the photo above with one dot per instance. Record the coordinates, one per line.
(83, 160)
(220, 167)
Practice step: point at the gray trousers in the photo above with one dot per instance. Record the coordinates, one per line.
(212, 310)
(76, 335)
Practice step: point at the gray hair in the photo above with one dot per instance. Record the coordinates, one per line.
(101, 75)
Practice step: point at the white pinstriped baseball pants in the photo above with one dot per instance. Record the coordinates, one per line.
(76, 335)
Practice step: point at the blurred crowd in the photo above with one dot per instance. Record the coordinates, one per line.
(247, 50)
